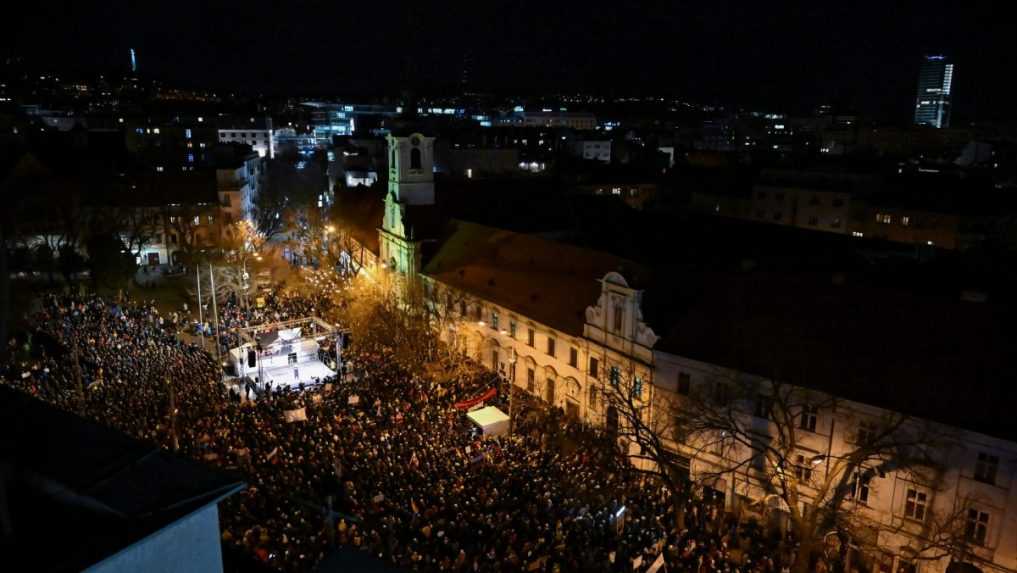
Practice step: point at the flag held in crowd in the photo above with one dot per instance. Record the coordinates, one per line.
(295, 415)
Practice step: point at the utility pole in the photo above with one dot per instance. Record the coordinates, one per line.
(173, 415)
(215, 311)
(201, 313)
(512, 385)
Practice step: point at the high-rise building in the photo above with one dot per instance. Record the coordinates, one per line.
(932, 103)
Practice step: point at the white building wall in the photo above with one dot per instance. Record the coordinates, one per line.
(188, 545)
(261, 140)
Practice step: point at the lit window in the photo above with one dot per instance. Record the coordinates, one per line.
(986, 467)
(857, 234)
(615, 376)
(803, 469)
(915, 503)
(808, 419)
(159, 168)
(187, 133)
(861, 486)
(210, 219)
(156, 131)
(494, 319)
(637, 387)
(905, 220)
(977, 526)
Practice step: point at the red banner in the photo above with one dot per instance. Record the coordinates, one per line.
(467, 404)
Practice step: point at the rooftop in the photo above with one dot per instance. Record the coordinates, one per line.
(79, 493)
(873, 345)
(544, 280)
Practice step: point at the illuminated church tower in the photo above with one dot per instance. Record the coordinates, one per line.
(409, 204)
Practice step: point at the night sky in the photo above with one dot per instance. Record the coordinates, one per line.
(781, 55)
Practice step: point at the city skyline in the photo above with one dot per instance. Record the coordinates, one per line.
(779, 58)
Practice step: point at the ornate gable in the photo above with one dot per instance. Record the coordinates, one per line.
(617, 318)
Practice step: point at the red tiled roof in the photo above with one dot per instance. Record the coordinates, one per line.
(544, 280)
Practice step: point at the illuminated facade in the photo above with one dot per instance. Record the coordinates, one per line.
(258, 134)
(410, 189)
(932, 102)
(329, 120)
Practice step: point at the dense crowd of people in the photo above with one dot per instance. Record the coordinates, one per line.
(384, 462)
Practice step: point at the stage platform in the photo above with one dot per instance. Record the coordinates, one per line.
(306, 372)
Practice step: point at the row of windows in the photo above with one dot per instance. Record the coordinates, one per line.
(888, 219)
(551, 343)
(814, 200)
(254, 137)
(814, 221)
(197, 219)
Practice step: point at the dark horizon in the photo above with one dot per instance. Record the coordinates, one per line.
(862, 58)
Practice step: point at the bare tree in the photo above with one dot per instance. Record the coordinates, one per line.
(764, 433)
(137, 226)
(631, 406)
(186, 222)
(268, 211)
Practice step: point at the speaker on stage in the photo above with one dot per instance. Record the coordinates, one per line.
(252, 358)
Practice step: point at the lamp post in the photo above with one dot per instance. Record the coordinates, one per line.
(215, 312)
(201, 313)
(512, 384)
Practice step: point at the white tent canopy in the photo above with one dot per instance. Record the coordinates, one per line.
(490, 420)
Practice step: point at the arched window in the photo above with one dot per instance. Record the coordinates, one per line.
(414, 158)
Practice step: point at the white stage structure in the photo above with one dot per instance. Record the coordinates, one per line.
(285, 353)
(490, 420)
